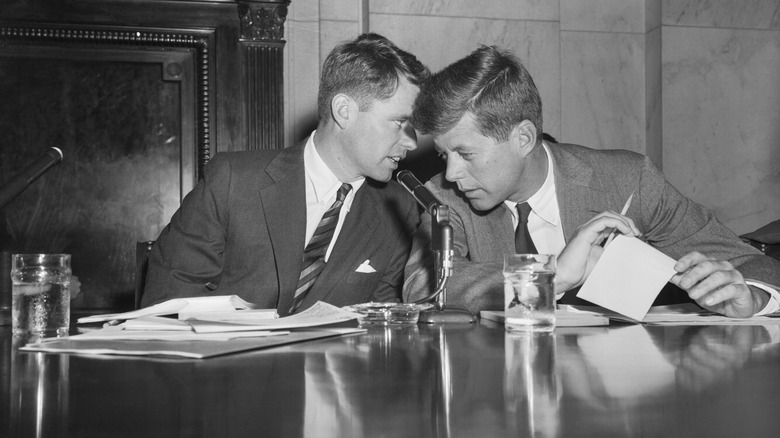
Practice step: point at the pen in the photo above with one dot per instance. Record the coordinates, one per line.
(622, 212)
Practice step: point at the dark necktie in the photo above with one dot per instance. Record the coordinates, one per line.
(523, 242)
(314, 254)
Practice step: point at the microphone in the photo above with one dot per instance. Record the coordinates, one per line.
(418, 190)
(16, 185)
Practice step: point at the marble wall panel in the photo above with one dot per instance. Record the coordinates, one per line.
(721, 118)
(604, 15)
(302, 69)
(340, 10)
(502, 9)
(334, 32)
(439, 41)
(603, 90)
(653, 97)
(741, 14)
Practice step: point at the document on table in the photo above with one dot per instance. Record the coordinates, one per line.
(182, 349)
(147, 327)
(565, 316)
(216, 307)
(692, 314)
(156, 335)
(628, 277)
(319, 314)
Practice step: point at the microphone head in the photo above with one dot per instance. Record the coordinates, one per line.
(408, 180)
(56, 153)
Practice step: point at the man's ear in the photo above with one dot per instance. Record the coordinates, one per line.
(524, 134)
(342, 109)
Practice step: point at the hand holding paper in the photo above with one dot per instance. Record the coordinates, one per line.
(717, 286)
(580, 255)
(628, 277)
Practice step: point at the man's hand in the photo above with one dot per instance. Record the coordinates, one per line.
(583, 251)
(717, 286)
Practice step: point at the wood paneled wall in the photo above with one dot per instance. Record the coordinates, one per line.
(139, 94)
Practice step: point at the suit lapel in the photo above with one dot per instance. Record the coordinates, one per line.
(579, 192)
(284, 206)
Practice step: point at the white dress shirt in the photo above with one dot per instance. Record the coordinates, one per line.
(544, 222)
(321, 189)
(544, 225)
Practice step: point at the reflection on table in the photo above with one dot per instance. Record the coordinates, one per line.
(440, 381)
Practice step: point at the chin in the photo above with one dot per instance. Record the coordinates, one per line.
(482, 204)
(382, 176)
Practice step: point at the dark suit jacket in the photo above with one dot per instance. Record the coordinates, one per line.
(587, 181)
(242, 228)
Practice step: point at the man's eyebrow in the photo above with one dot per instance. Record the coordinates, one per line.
(401, 115)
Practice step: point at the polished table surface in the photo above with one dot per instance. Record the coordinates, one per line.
(418, 381)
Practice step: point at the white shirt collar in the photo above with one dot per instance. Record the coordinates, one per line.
(543, 202)
(322, 179)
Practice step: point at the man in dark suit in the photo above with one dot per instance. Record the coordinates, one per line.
(319, 221)
(485, 115)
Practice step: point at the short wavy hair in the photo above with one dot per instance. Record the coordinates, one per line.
(367, 69)
(490, 83)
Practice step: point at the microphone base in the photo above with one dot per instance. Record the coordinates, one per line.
(447, 315)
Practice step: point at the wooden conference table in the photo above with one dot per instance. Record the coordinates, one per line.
(418, 381)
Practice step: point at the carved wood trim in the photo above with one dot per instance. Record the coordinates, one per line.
(262, 47)
(121, 37)
(262, 21)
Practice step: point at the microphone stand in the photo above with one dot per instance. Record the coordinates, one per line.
(441, 244)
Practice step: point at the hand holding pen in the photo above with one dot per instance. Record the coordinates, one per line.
(583, 250)
(622, 213)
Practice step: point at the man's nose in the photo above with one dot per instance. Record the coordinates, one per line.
(454, 170)
(409, 138)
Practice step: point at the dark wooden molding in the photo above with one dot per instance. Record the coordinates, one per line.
(225, 59)
(262, 21)
(262, 48)
(131, 39)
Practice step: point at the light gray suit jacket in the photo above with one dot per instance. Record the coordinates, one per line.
(242, 228)
(587, 181)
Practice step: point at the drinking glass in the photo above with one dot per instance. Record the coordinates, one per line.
(40, 303)
(529, 292)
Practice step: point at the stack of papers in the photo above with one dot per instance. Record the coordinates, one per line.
(691, 314)
(217, 307)
(565, 316)
(201, 333)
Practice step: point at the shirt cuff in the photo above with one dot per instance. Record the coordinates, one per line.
(773, 305)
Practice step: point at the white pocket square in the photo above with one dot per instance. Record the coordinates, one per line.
(365, 268)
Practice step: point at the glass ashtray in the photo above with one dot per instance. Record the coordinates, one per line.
(383, 314)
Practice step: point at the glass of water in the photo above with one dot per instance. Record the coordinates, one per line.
(529, 292)
(40, 303)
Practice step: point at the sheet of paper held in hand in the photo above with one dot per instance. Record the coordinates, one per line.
(628, 277)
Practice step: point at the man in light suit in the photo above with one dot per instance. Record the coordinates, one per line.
(485, 115)
(248, 226)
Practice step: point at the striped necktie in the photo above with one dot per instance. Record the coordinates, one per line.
(523, 242)
(314, 254)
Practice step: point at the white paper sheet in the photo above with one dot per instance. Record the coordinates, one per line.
(119, 333)
(184, 307)
(319, 314)
(628, 277)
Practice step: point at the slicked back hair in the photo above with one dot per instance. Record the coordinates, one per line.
(367, 69)
(490, 83)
